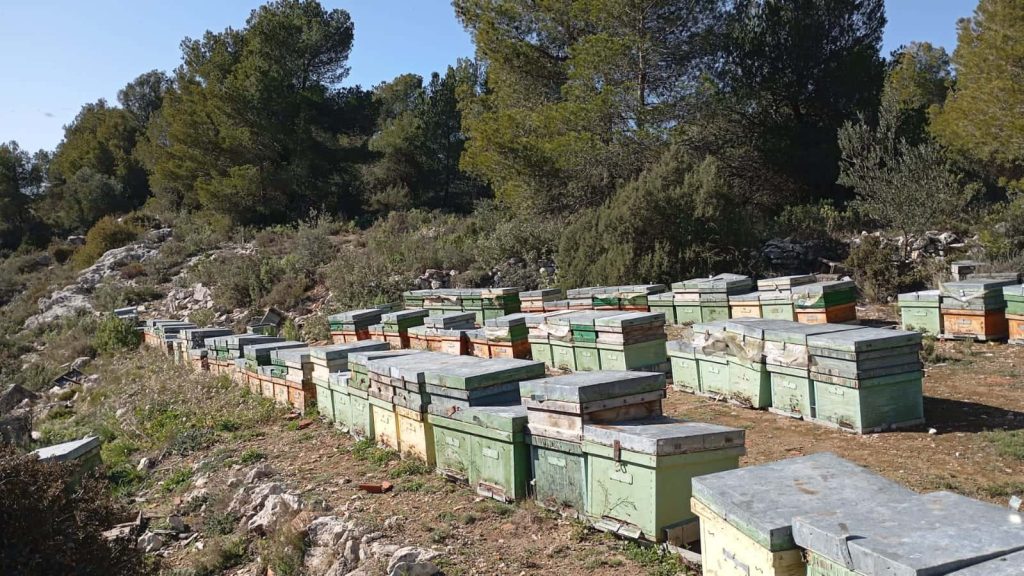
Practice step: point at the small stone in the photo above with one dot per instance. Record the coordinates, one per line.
(259, 472)
(932, 431)
(150, 542)
(176, 523)
(144, 464)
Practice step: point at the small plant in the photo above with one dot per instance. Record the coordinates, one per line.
(202, 318)
(468, 518)
(284, 552)
(190, 441)
(114, 335)
(409, 468)
(657, 561)
(220, 524)
(446, 516)
(317, 328)
(251, 456)
(106, 234)
(290, 331)
(368, 451)
(1008, 443)
(178, 478)
(440, 535)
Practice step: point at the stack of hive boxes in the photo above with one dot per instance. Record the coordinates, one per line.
(534, 300)
(443, 333)
(599, 340)
(475, 425)
(748, 381)
(975, 309)
(580, 351)
(707, 299)
(395, 326)
(444, 301)
(922, 311)
(1014, 296)
(326, 362)
(937, 533)
(290, 373)
(601, 450)
(701, 365)
(166, 335)
(191, 346)
(226, 353)
(773, 299)
(867, 380)
(356, 387)
(258, 369)
(633, 298)
(149, 334)
(833, 302)
(354, 325)
(502, 337)
(746, 515)
(484, 303)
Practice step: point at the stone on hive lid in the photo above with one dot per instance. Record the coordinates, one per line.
(664, 436)
(921, 535)
(68, 451)
(762, 501)
(583, 387)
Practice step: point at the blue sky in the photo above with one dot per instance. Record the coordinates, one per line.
(63, 53)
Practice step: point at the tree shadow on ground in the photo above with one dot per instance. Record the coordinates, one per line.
(949, 416)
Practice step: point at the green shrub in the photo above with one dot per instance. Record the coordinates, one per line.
(114, 334)
(202, 318)
(316, 328)
(251, 456)
(880, 272)
(106, 234)
(290, 331)
(61, 252)
(53, 524)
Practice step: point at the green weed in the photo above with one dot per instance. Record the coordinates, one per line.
(1008, 443)
(178, 478)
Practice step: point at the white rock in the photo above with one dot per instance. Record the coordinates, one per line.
(277, 509)
(80, 362)
(37, 435)
(382, 551)
(352, 551)
(144, 464)
(248, 501)
(326, 531)
(413, 561)
(259, 472)
(150, 542)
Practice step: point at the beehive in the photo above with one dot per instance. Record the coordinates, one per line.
(745, 305)
(639, 473)
(534, 300)
(685, 373)
(785, 282)
(975, 309)
(559, 474)
(935, 533)
(746, 515)
(707, 299)
(341, 402)
(559, 406)
(454, 387)
(831, 302)
(665, 304)
(485, 446)
(385, 423)
(353, 326)
(921, 311)
(748, 382)
(632, 341)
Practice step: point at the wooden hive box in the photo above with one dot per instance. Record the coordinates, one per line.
(778, 305)
(559, 474)
(685, 373)
(1015, 329)
(385, 423)
(485, 444)
(746, 515)
(832, 315)
(361, 425)
(341, 402)
(749, 382)
(937, 533)
(982, 325)
(324, 400)
(665, 304)
(921, 311)
(457, 386)
(785, 282)
(558, 407)
(745, 305)
(415, 435)
(639, 474)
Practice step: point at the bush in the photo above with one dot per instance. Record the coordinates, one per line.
(316, 328)
(61, 252)
(114, 334)
(53, 525)
(239, 282)
(106, 234)
(202, 318)
(880, 272)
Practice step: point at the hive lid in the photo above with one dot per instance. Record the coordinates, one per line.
(921, 296)
(1014, 291)
(819, 288)
(749, 297)
(540, 293)
(924, 534)
(265, 348)
(590, 317)
(67, 451)
(664, 436)
(195, 334)
(762, 501)
(413, 368)
(158, 321)
(509, 418)
(484, 372)
(785, 282)
(797, 333)
(450, 320)
(342, 351)
(393, 317)
(680, 347)
(755, 327)
(242, 341)
(356, 315)
(509, 320)
(975, 285)
(631, 319)
(583, 387)
(864, 339)
(296, 356)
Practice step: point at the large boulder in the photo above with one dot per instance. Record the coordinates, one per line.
(413, 561)
(16, 427)
(277, 509)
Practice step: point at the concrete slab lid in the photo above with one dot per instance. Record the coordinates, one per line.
(864, 339)
(356, 315)
(452, 319)
(404, 315)
(341, 378)
(68, 450)
(590, 317)
(1017, 290)
(679, 346)
(664, 436)
(569, 317)
(414, 368)
(504, 291)
(925, 535)
(269, 347)
(785, 281)
(828, 287)
(349, 349)
(203, 333)
(540, 293)
(291, 355)
(762, 501)
(796, 331)
(582, 387)
(1010, 565)
(508, 320)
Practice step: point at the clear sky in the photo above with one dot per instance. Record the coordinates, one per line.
(64, 53)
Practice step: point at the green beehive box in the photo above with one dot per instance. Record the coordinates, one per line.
(879, 404)
(361, 425)
(749, 383)
(824, 294)
(639, 473)
(685, 372)
(453, 447)
(587, 357)
(688, 312)
(778, 309)
(921, 311)
(563, 356)
(714, 374)
(498, 465)
(1014, 297)
(540, 350)
(665, 304)
(324, 400)
(340, 399)
(792, 392)
(632, 356)
(559, 474)
(710, 313)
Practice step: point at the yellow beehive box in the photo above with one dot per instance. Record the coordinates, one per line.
(385, 423)
(415, 435)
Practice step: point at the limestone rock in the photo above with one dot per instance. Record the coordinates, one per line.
(150, 542)
(259, 472)
(247, 501)
(277, 509)
(413, 561)
(14, 396)
(16, 427)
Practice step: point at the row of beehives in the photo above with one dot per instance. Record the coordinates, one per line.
(982, 309)
(842, 375)
(594, 445)
(800, 298)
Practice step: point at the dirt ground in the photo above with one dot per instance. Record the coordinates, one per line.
(972, 389)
